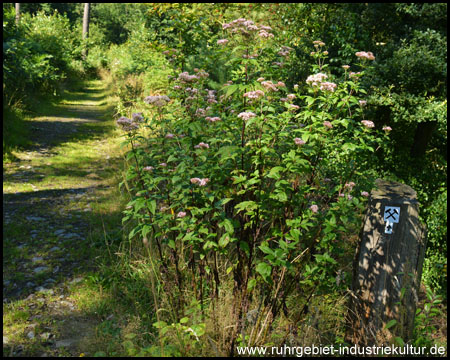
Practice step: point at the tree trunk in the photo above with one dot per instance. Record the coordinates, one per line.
(85, 28)
(17, 13)
(424, 131)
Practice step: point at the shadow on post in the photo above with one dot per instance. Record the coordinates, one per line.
(387, 267)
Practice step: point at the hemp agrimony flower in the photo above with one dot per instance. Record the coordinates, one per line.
(368, 123)
(365, 55)
(327, 124)
(158, 100)
(246, 115)
(127, 124)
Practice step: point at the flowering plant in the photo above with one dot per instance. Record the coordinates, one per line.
(260, 183)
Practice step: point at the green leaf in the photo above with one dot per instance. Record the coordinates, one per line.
(231, 89)
(199, 329)
(222, 202)
(228, 225)
(226, 151)
(399, 341)
(145, 230)
(224, 240)
(246, 205)
(266, 249)
(152, 206)
(264, 270)
(390, 324)
(184, 320)
(251, 284)
(160, 324)
(274, 172)
(349, 146)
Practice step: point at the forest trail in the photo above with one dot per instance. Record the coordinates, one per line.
(56, 200)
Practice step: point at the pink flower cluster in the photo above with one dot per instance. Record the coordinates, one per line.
(185, 77)
(264, 34)
(181, 214)
(314, 208)
(327, 124)
(246, 115)
(222, 41)
(318, 43)
(354, 75)
(315, 79)
(202, 74)
(251, 56)
(365, 55)
(200, 182)
(137, 117)
(269, 85)
(212, 119)
(328, 86)
(170, 136)
(211, 99)
(299, 141)
(349, 185)
(285, 50)
(157, 100)
(246, 27)
(148, 168)
(318, 80)
(201, 145)
(127, 124)
(192, 91)
(387, 128)
(200, 112)
(368, 123)
(254, 94)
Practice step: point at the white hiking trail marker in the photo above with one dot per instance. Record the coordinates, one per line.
(391, 216)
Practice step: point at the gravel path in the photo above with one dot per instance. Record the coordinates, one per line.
(48, 200)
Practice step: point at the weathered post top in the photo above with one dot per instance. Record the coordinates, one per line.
(394, 192)
(388, 265)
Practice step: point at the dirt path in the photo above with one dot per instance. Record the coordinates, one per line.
(56, 200)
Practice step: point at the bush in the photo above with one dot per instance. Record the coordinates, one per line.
(37, 54)
(136, 69)
(251, 184)
(435, 265)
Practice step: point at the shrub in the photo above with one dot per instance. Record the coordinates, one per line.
(37, 54)
(252, 184)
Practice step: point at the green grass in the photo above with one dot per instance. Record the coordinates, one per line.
(15, 132)
(88, 158)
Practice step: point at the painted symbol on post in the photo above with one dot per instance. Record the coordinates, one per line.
(389, 227)
(391, 216)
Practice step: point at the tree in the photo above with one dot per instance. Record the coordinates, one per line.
(85, 28)
(17, 13)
